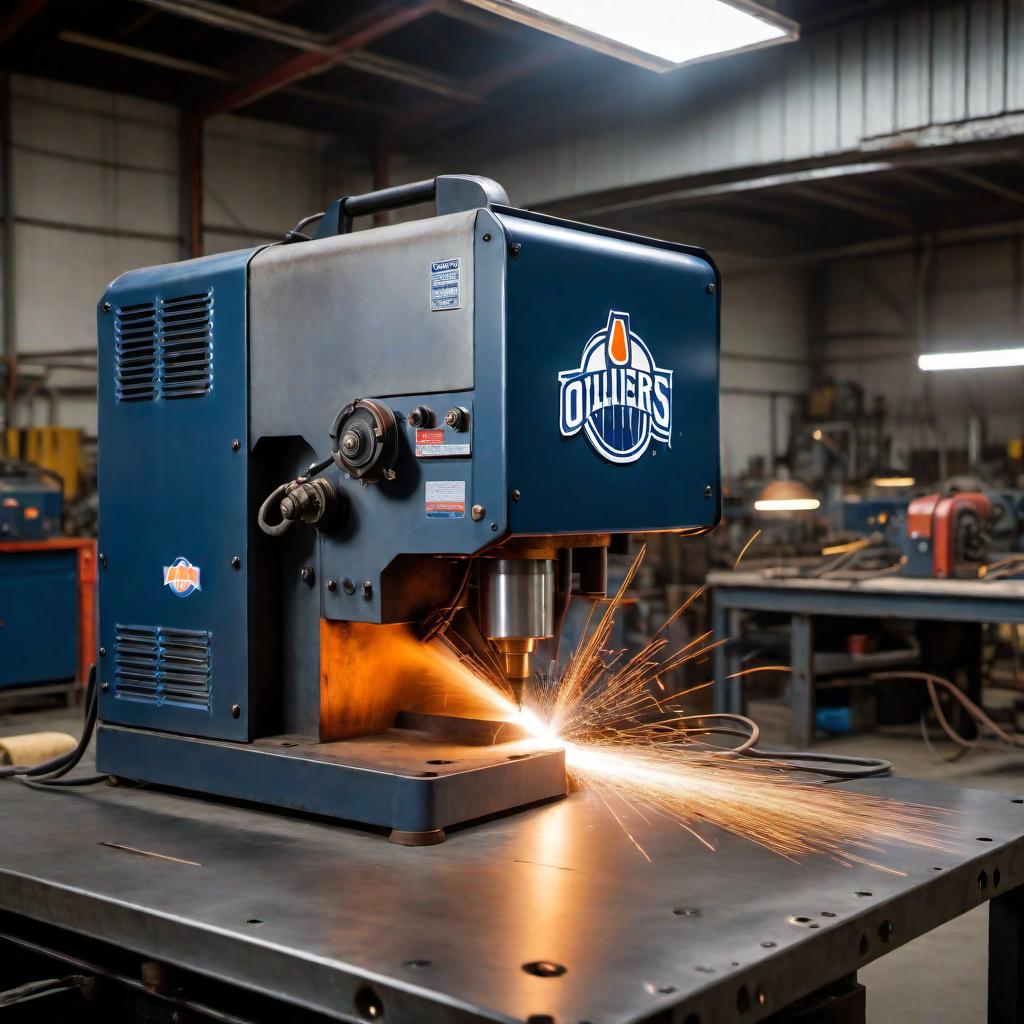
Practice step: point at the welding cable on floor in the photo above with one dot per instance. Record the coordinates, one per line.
(51, 773)
(835, 767)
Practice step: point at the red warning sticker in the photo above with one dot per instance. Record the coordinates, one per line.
(431, 444)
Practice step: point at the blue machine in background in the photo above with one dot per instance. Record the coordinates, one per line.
(39, 582)
(308, 450)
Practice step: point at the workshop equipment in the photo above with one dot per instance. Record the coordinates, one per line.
(946, 535)
(31, 500)
(310, 450)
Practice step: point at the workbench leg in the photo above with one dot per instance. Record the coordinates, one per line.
(801, 680)
(719, 659)
(727, 660)
(1006, 958)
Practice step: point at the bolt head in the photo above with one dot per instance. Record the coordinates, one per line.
(332, 585)
(707, 491)
(307, 575)
(348, 586)
(106, 307)
(710, 288)
(103, 652)
(516, 494)
(236, 562)
(350, 442)
(367, 588)
(104, 686)
(478, 512)
(103, 560)
(236, 711)
(235, 445)
(487, 237)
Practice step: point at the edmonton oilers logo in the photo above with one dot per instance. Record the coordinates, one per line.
(181, 577)
(618, 396)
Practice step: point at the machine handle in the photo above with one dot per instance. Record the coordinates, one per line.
(451, 193)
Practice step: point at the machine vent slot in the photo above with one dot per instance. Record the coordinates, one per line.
(163, 666)
(136, 356)
(187, 369)
(164, 349)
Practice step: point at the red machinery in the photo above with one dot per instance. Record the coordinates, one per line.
(946, 534)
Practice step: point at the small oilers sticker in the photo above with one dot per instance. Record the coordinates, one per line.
(617, 396)
(446, 284)
(181, 577)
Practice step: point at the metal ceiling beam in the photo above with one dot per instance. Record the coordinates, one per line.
(192, 67)
(257, 26)
(985, 184)
(18, 16)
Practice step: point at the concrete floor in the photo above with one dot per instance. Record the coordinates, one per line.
(937, 979)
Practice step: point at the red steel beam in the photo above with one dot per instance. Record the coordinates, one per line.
(15, 18)
(303, 65)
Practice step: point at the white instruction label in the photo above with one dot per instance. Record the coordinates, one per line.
(445, 499)
(446, 284)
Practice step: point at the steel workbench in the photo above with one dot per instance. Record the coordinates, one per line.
(802, 598)
(549, 915)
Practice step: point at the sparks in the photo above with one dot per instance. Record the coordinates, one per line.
(629, 739)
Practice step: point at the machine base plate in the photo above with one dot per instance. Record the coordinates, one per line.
(403, 779)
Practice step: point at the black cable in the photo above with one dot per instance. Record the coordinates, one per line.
(47, 773)
(295, 234)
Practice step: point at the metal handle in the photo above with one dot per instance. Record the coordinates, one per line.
(451, 193)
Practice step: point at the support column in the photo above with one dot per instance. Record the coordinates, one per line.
(801, 683)
(1006, 958)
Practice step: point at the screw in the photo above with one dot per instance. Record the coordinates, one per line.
(350, 442)
(103, 560)
(348, 586)
(103, 652)
(455, 418)
(516, 495)
(236, 711)
(710, 288)
(707, 491)
(104, 686)
(487, 237)
(494, 527)
(235, 445)
(332, 585)
(367, 589)
(236, 562)
(515, 249)
(478, 512)
(105, 307)
(307, 575)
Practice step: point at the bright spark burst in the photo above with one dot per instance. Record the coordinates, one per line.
(631, 742)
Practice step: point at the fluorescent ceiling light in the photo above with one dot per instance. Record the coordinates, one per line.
(894, 481)
(659, 34)
(971, 360)
(786, 504)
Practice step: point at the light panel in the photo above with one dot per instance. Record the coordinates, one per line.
(659, 34)
(971, 360)
(894, 481)
(786, 504)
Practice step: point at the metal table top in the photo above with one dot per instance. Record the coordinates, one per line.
(312, 912)
(906, 596)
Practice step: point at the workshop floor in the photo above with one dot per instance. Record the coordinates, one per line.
(938, 979)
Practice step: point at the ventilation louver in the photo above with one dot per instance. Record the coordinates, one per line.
(164, 349)
(163, 666)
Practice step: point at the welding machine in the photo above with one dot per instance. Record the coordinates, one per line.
(306, 447)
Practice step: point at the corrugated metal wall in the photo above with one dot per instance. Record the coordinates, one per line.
(842, 90)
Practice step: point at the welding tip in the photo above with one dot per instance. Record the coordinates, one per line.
(518, 687)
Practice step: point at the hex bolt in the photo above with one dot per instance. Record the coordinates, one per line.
(235, 445)
(710, 288)
(105, 307)
(456, 418)
(515, 249)
(332, 585)
(236, 562)
(103, 652)
(707, 491)
(307, 575)
(516, 495)
(478, 512)
(367, 587)
(348, 586)
(236, 711)
(487, 237)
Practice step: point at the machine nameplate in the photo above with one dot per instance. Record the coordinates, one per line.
(445, 499)
(446, 284)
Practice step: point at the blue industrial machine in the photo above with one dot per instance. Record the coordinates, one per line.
(309, 446)
(39, 581)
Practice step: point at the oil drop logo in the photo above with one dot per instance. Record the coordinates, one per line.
(617, 396)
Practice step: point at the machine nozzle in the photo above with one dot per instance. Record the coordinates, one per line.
(518, 610)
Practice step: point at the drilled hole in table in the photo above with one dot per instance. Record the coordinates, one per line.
(368, 1004)
(984, 839)
(686, 912)
(983, 880)
(886, 931)
(426, 775)
(517, 757)
(861, 892)
(768, 944)
(254, 920)
(1017, 800)
(418, 965)
(439, 760)
(864, 945)
(828, 913)
(996, 878)
(544, 969)
(743, 1000)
